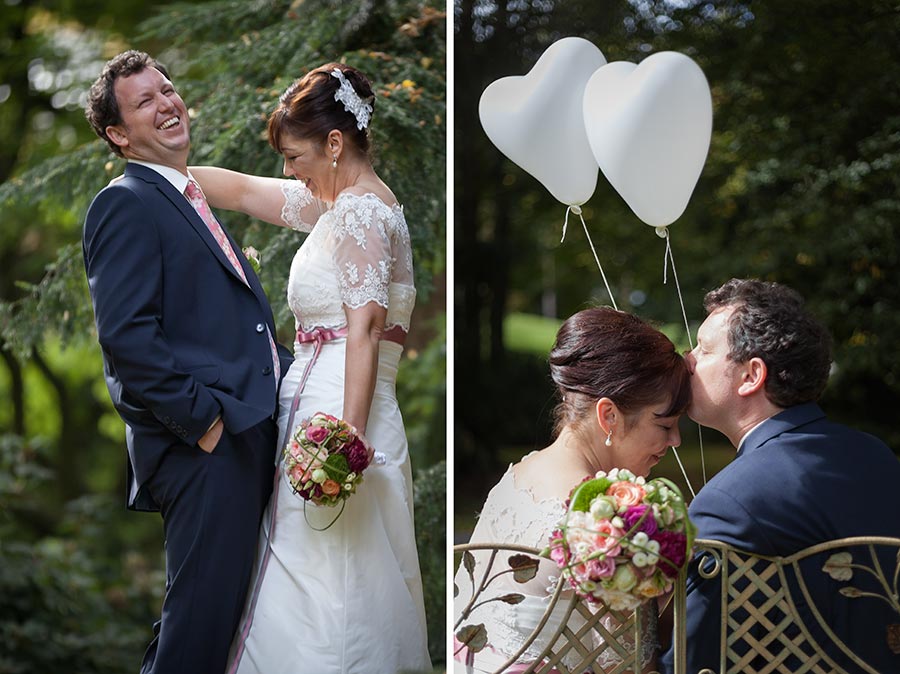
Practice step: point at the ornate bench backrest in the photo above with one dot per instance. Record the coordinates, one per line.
(571, 636)
(780, 614)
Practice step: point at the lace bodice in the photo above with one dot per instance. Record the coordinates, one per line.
(357, 252)
(512, 515)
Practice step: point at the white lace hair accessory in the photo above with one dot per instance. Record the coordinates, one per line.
(353, 104)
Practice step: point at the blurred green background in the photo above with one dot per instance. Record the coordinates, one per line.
(800, 186)
(81, 579)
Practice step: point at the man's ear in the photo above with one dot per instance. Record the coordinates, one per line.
(117, 135)
(753, 377)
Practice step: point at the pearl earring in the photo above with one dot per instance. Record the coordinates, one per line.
(334, 161)
(608, 442)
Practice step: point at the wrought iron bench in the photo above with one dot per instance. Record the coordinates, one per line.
(771, 619)
(571, 635)
(771, 622)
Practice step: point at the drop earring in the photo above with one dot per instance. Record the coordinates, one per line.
(334, 161)
(608, 442)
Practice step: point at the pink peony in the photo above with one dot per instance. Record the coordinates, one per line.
(626, 493)
(316, 434)
(672, 550)
(633, 515)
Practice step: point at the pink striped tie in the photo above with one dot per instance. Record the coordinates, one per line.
(198, 201)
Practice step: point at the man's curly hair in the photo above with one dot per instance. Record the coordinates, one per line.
(770, 322)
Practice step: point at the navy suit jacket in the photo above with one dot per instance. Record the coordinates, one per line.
(183, 338)
(799, 480)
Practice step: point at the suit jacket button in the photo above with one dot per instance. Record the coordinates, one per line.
(260, 327)
(267, 370)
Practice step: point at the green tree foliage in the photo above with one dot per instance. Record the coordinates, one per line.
(800, 186)
(84, 572)
(430, 489)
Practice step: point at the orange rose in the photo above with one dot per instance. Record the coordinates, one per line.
(626, 493)
(331, 488)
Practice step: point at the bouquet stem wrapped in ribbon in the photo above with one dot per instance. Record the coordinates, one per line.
(324, 461)
(623, 540)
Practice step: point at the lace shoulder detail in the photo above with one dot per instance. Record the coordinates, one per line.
(297, 201)
(365, 233)
(513, 515)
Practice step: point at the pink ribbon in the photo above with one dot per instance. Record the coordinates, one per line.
(317, 336)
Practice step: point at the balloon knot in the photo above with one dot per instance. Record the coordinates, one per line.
(662, 232)
(575, 209)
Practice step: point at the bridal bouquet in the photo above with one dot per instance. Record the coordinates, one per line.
(324, 459)
(623, 540)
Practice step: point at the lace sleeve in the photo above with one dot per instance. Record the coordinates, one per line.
(301, 209)
(362, 254)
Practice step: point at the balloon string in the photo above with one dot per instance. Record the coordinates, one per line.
(577, 211)
(687, 328)
(684, 472)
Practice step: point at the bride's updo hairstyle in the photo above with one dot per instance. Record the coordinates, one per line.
(308, 110)
(604, 353)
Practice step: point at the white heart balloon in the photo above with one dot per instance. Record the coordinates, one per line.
(649, 127)
(536, 119)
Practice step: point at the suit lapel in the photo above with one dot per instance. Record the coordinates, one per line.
(187, 210)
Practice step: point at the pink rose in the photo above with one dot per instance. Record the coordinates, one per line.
(601, 568)
(331, 488)
(296, 450)
(559, 553)
(298, 474)
(316, 434)
(606, 538)
(626, 493)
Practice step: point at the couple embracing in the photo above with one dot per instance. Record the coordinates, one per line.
(760, 364)
(209, 397)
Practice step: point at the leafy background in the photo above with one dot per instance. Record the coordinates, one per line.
(81, 579)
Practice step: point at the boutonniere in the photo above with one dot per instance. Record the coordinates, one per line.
(252, 256)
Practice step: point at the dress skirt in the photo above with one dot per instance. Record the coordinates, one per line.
(348, 599)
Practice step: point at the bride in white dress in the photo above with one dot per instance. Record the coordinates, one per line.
(347, 599)
(622, 386)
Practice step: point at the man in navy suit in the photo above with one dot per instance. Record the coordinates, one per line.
(760, 364)
(190, 361)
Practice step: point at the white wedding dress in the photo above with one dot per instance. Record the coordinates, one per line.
(512, 515)
(347, 600)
